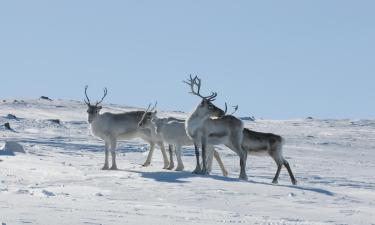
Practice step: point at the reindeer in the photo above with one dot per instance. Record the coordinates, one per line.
(172, 131)
(208, 125)
(257, 143)
(111, 127)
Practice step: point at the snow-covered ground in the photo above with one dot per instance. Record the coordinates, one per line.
(59, 181)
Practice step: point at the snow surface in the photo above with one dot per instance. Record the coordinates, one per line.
(59, 180)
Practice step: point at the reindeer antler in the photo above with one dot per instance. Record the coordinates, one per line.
(87, 100)
(152, 109)
(146, 111)
(197, 82)
(226, 109)
(235, 109)
(105, 94)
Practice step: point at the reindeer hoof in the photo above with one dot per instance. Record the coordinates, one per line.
(170, 167)
(181, 168)
(294, 182)
(197, 170)
(146, 164)
(275, 182)
(243, 177)
(105, 168)
(225, 173)
(113, 168)
(205, 172)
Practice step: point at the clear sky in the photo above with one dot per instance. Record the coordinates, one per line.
(275, 59)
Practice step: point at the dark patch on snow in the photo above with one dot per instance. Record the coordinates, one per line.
(57, 121)
(7, 126)
(45, 98)
(11, 117)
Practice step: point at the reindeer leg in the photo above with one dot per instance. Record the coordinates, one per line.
(180, 165)
(210, 156)
(286, 164)
(113, 153)
(243, 159)
(221, 164)
(171, 162)
(204, 156)
(274, 181)
(106, 149)
(149, 156)
(164, 153)
(242, 153)
(197, 169)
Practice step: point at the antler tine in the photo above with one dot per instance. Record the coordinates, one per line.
(148, 108)
(105, 94)
(194, 81)
(212, 96)
(198, 82)
(154, 107)
(226, 109)
(87, 100)
(144, 114)
(189, 82)
(235, 109)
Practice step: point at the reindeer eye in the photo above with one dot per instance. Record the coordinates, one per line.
(210, 106)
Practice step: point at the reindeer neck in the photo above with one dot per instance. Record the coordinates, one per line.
(196, 117)
(194, 123)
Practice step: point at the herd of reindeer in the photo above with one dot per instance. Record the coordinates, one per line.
(204, 128)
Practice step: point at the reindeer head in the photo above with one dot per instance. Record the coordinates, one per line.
(149, 114)
(205, 108)
(93, 109)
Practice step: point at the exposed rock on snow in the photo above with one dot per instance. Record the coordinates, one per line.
(45, 98)
(11, 117)
(10, 147)
(48, 193)
(57, 121)
(7, 126)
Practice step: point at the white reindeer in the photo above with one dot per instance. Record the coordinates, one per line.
(111, 127)
(173, 132)
(208, 125)
(257, 143)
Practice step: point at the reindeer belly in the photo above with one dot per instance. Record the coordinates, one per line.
(255, 147)
(174, 133)
(258, 152)
(217, 138)
(127, 135)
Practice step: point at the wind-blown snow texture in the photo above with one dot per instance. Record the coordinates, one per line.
(59, 180)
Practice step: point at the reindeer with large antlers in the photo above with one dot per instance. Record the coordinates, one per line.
(208, 125)
(111, 127)
(173, 132)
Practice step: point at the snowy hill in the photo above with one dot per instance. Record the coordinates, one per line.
(59, 181)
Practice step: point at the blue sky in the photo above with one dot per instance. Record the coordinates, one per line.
(275, 59)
